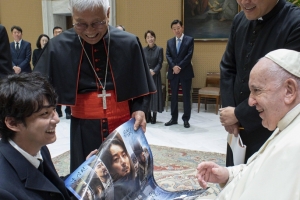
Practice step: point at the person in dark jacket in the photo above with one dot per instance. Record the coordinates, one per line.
(5, 56)
(40, 44)
(27, 124)
(260, 28)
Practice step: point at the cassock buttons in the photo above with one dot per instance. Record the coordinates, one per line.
(97, 69)
(95, 50)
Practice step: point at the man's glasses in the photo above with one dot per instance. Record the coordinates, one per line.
(84, 26)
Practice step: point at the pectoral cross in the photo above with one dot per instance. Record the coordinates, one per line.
(104, 95)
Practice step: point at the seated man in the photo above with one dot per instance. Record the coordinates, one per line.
(272, 172)
(27, 123)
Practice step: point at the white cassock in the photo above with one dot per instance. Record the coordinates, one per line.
(273, 173)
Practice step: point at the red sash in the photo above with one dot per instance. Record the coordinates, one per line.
(90, 106)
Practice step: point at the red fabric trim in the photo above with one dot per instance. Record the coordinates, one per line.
(90, 106)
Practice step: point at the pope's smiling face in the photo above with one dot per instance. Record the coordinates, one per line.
(91, 24)
(267, 93)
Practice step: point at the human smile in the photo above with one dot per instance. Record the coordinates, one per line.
(249, 8)
(50, 131)
(92, 36)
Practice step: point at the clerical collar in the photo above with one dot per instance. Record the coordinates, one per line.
(279, 5)
(32, 159)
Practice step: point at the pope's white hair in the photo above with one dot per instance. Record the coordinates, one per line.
(82, 5)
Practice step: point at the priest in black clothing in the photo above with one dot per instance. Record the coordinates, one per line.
(259, 28)
(100, 72)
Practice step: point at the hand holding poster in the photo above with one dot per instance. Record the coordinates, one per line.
(122, 170)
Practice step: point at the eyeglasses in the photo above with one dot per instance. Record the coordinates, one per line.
(84, 26)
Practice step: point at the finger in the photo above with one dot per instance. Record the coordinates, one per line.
(92, 153)
(137, 124)
(143, 125)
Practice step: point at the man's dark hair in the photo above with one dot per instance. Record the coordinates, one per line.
(21, 95)
(151, 33)
(38, 42)
(56, 27)
(16, 27)
(176, 21)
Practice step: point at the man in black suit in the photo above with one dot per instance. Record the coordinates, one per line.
(5, 57)
(179, 55)
(28, 120)
(20, 51)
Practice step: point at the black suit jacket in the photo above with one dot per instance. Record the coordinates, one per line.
(22, 57)
(5, 56)
(182, 59)
(21, 180)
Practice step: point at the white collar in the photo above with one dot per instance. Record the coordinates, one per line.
(180, 37)
(32, 159)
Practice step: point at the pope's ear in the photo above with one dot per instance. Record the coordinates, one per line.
(11, 123)
(291, 90)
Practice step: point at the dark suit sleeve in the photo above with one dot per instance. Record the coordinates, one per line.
(158, 67)
(5, 56)
(186, 61)
(228, 73)
(27, 59)
(169, 55)
(247, 116)
(6, 195)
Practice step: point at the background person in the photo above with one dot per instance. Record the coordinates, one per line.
(270, 25)
(40, 44)
(154, 57)
(104, 65)
(57, 30)
(179, 56)
(275, 92)
(5, 56)
(27, 124)
(20, 51)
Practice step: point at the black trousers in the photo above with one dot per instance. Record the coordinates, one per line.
(86, 135)
(186, 85)
(67, 110)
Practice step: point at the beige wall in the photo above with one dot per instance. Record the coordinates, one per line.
(138, 16)
(24, 13)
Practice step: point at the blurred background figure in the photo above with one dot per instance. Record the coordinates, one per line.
(154, 57)
(122, 28)
(57, 30)
(5, 57)
(40, 44)
(20, 51)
